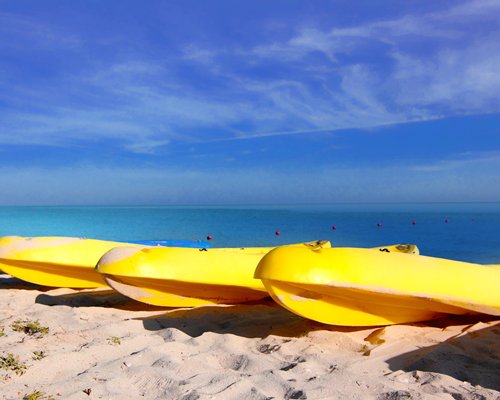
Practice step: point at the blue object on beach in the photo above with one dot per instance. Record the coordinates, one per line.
(195, 244)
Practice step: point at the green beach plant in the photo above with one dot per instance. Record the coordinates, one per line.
(114, 340)
(2, 331)
(37, 395)
(11, 362)
(29, 327)
(38, 355)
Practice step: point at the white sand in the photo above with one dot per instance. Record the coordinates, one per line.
(254, 351)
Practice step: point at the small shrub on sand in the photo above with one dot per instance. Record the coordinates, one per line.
(2, 332)
(37, 395)
(114, 340)
(38, 355)
(29, 327)
(11, 362)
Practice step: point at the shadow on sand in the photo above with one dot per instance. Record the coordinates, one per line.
(250, 320)
(9, 282)
(472, 356)
(94, 298)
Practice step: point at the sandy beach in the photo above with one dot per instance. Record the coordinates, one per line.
(101, 345)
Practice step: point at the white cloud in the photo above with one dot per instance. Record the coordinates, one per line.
(65, 125)
(369, 75)
(33, 32)
(456, 75)
(462, 80)
(193, 52)
(146, 146)
(464, 163)
(471, 9)
(341, 41)
(123, 105)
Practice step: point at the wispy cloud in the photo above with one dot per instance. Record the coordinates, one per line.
(468, 10)
(417, 67)
(446, 24)
(24, 32)
(459, 81)
(122, 102)
(463, 162)
(204, 56)
(455, 75)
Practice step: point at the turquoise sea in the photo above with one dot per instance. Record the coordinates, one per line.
(460, 231)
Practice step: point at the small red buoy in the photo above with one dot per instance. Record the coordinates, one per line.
(414, 222)
(446, 221)
(334, 228)
(209, 237)
(379, 225)
(277, 233)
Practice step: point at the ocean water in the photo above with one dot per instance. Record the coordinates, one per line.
(466, 232)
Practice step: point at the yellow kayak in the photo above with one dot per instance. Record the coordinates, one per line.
(65, 261)
(175, 277)
(360, 287)
(55, 261)
(181, 277)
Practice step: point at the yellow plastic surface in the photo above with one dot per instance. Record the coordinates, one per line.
(362, 287)
(55, 261)
(184, 277)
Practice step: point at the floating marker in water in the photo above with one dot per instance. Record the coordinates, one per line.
(446, 221)
(414, 222)
(379, 225)
(277, 233)
(334, 228)
(209, 237)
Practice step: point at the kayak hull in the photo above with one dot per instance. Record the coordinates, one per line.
(54, 261)
(359, 287)
(169, 293)
(62, 261)
(175, 277)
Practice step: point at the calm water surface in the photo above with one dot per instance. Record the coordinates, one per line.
(468, 232)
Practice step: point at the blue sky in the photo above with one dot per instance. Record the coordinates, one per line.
(203, 102)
